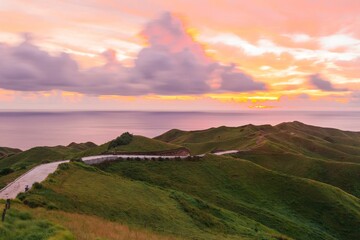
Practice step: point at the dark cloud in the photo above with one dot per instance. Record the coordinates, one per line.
(173, 63)
(319, 82)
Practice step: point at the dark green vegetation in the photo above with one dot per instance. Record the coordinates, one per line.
(20, 225)
(5, 151)
(290, 181)
(123, 139)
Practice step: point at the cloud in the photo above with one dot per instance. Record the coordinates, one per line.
(238, 81)
(27, 68)
(172, 63)
(319, 82)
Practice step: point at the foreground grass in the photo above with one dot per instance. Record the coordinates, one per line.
(87, 190)
(21, 225)
(87, 227)
(296, 207)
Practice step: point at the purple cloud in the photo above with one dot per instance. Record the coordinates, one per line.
(319, 82)
(237, 81)
(27, 68)
(172, 64)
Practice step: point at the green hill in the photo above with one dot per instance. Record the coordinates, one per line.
(323, 154)
(292, 137)
(5, 151)
(20, 162)
(216, 197)
(340, 174)
(296, 207)
(289, 181)
(87, 190)
(139, 144)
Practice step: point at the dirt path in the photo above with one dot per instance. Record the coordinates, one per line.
(37, 174)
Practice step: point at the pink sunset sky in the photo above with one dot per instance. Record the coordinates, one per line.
(180, 55)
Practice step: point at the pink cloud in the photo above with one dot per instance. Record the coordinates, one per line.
(172, 64)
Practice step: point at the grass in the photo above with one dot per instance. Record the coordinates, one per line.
(339, 174)
(239, 186)
(323, 154)
(141, 205)
(138, 144)
(5, 151)
(87, 227)
(294, 137)
(21, 225)
(144, 144)
(290, 181)
(22, 162)
(24, 223)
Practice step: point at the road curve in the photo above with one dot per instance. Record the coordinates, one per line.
(40, 173)
(37, 174)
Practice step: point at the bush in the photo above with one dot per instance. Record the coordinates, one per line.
(37, 185)
(64, 166)
(124, 139)
(76, 160)
(6, 171)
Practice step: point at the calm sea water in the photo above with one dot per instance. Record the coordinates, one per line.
(28, 129)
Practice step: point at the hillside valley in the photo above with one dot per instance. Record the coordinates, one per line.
(288, 181)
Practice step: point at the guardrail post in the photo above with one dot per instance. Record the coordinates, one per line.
(3, 215)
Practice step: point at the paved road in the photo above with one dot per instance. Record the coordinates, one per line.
(40, 173)
(37, 174)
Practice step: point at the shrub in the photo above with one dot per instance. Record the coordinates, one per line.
(64, 166)
(21, 196)
(6, 171)
(37, 185)
(76, 160)
(124, 139)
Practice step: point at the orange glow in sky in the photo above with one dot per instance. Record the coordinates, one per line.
(168, 55)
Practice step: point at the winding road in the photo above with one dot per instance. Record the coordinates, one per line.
(40, 173)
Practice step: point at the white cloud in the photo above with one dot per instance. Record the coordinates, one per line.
(339, 40)
(298, 37)
(263, 46)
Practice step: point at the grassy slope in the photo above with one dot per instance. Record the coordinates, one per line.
(142, 205)
(81, 226)
(323, 154)
(299, 208)
(5, 151)
(24, 161)
(22, 225)
(294, 137)
(222, 138)
(343, 175)
(138, 144)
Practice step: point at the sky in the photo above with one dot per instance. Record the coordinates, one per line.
(219, 55)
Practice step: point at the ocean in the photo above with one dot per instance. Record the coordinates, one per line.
(29, 129)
